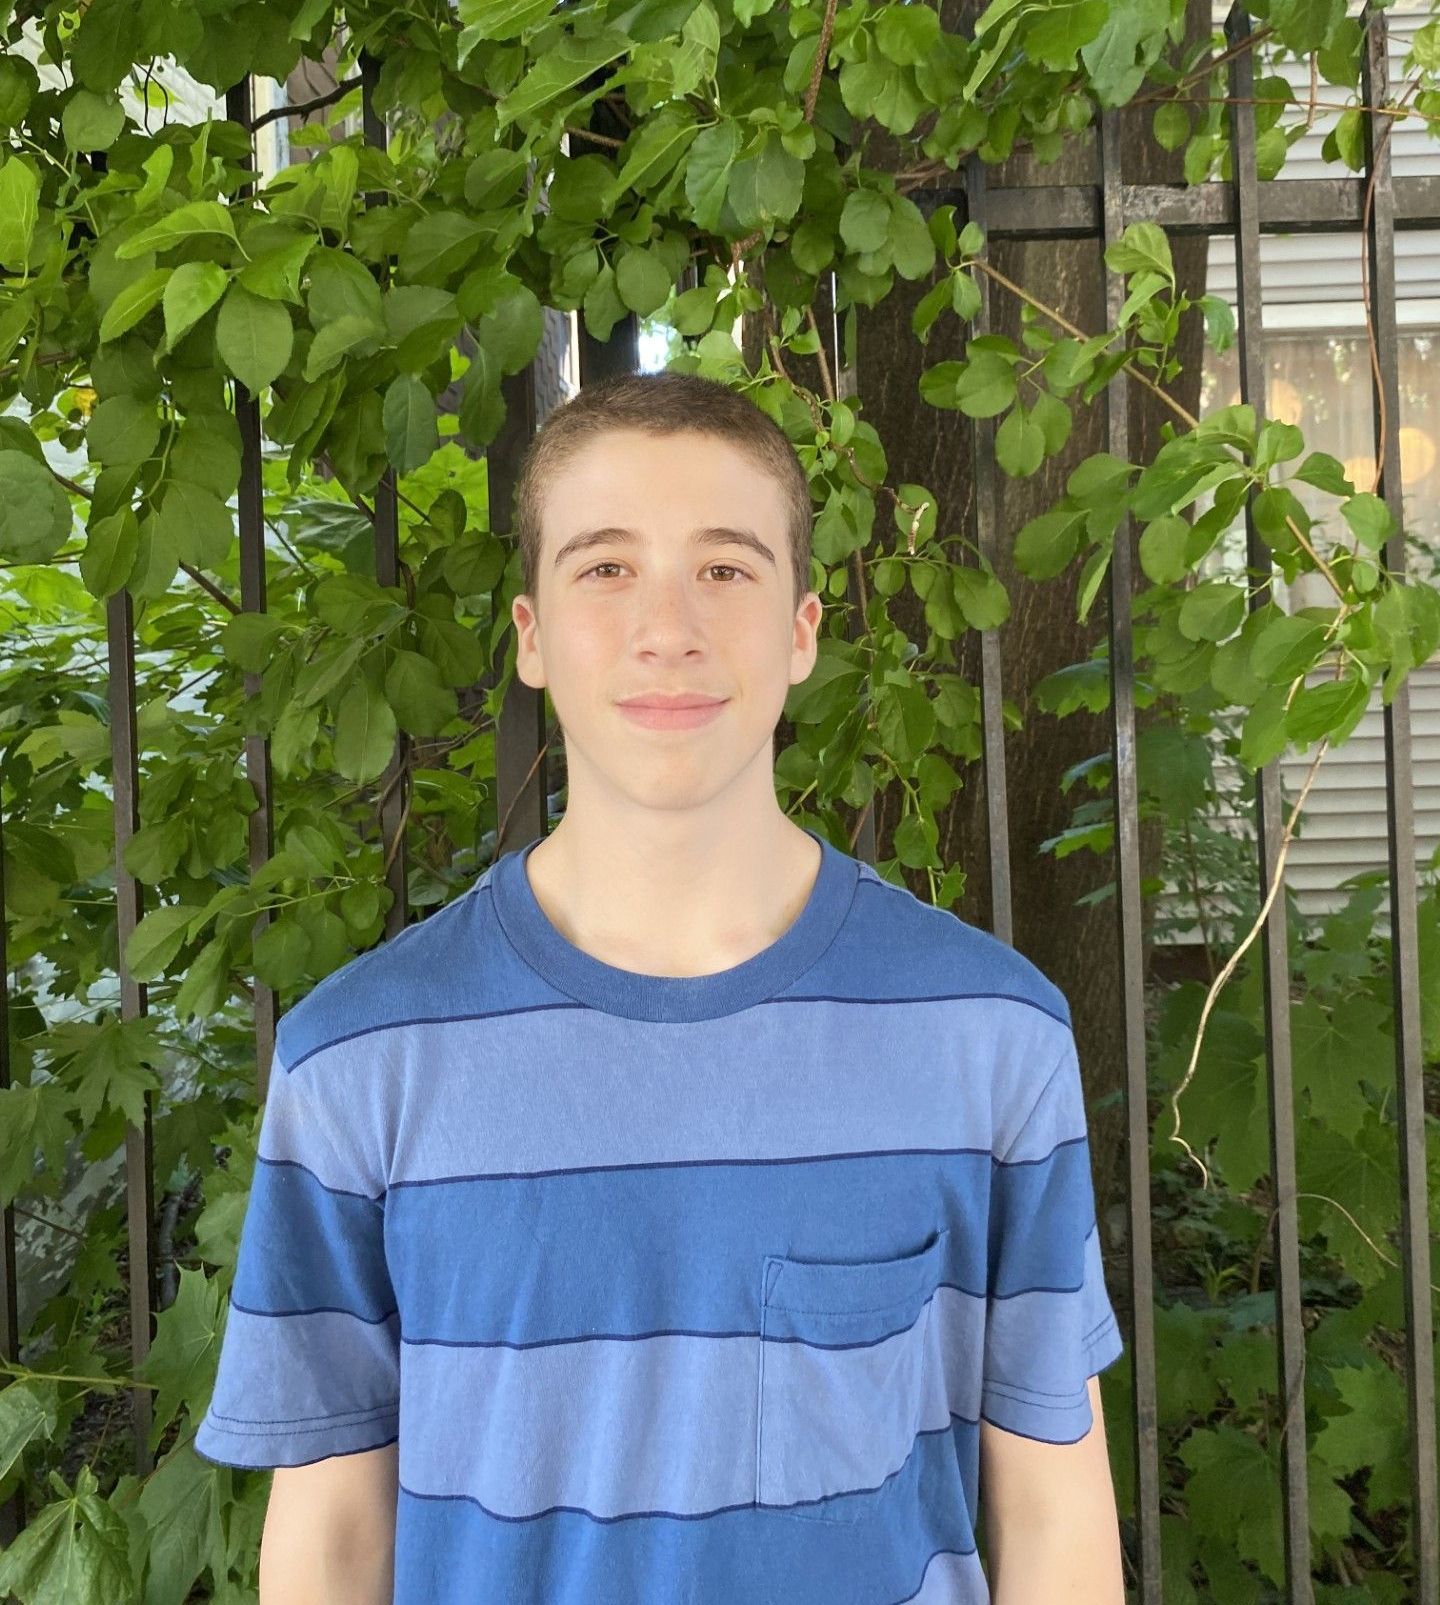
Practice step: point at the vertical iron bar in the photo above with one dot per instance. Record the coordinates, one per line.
(139, 1144)
(239, 108)
(1269, 827)
(12, 1510)
(395, 783)
(1126, 804)
(1400, 818)
(982, 459)
(522, 767)
(846, 385)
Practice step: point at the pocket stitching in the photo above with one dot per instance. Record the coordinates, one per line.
(796, 1510)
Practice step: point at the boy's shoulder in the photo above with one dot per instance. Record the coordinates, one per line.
(933, 952)
(422, 973)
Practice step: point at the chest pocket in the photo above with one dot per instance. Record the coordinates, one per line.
(843, 1349)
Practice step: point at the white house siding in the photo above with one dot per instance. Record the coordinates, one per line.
(1313, 320)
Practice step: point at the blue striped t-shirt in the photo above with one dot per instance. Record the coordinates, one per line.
(673, 1290)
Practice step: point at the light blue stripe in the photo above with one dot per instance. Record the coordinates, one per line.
(765, 1557)
(552, 1090)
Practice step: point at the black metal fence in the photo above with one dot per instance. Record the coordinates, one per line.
(1374, 202)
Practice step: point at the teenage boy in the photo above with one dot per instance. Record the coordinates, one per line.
(684, 1213)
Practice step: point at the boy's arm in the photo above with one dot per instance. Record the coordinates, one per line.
(1051, 1530)
(329, 1534)
(308, 1377)
(1046, 1494)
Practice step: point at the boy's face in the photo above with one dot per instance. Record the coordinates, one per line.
(673, 607)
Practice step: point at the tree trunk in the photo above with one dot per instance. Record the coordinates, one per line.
(1074, 943)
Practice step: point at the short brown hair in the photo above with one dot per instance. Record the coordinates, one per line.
(663, 403)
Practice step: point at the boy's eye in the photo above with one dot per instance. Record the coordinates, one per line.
(596, 567)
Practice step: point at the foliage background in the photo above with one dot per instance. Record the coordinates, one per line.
(144, 278)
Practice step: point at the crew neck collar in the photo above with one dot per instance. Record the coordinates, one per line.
(641, 996)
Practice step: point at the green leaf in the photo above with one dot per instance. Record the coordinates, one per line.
(111, 547)
(987, 386)
(1370, 519)
(503, 19)
(1212, 610)
(154, 851)
(133, 302)
(193, 289)
(194, 220)
(981, 598)
(27, 1415)
(1360, 1174)
(907, 35)
(707, 172)
(335, 341)
(1163, 546)
(1278, 443)
(1230, 1490)
(275, 273)
(408, 307)
(1171, 124)
(1339, 1049)
(1047, 544)
(35, 514)
(865, 220)
(511, 331)
(1370, 1430)
(254, 337)
(249, 639)
(439, 246)
(423, 704)
(198, 524)
(904, 720)
(1346, 140)
(91, 121)
(1325, 473)
(1305, 25)
(18, 83)
(181, 1513)
(1286, 646)
(1219, 321)
(1101, 478)
(74, 1550)
(19, 210)
(766, 186)
(159, 936)
(1019, 443)
(364, 732)
(1054, 32)
(342, 287)
(411, 433)
(1143, 246)
(911, 248)
(122, 429)
(567, 63)
(282, 952)
(1331, 709)
(1054, 419)
(643, 281)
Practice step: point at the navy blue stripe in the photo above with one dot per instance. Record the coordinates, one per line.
(405, 1022)
(658, 1164)
(683, 1515)
(687, 1241)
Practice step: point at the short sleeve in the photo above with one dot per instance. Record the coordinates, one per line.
(309, 1359)
(1049, 1322)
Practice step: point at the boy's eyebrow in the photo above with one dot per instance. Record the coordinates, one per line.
(708, 535)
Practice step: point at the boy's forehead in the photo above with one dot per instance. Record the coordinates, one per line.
(621, 456)
(637, 482)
